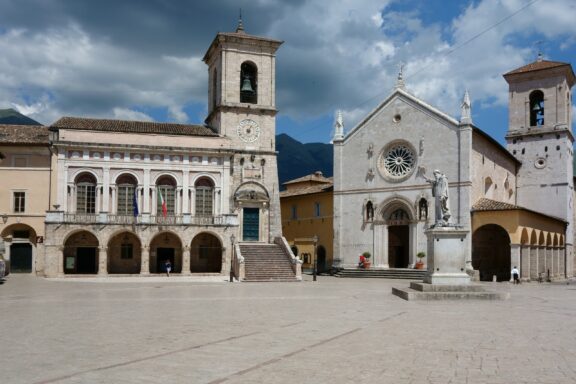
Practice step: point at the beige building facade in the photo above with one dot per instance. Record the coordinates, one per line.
(132, 198)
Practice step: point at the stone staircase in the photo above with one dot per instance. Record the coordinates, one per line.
(266, 262)
(398, 273)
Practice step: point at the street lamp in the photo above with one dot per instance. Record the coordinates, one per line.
(232, 240)
(4, 218)
(315, 240)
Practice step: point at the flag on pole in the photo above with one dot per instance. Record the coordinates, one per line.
(135, 202)
(163, 203)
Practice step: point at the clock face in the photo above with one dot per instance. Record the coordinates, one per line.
(248, 130)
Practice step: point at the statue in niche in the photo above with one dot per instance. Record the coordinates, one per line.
(369, 211)
(441, 204)
(423, 209)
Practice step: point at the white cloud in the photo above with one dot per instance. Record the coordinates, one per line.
(129, 114)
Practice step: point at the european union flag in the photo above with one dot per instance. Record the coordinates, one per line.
(135, 202)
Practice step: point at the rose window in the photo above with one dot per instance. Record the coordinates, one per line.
(397, 161)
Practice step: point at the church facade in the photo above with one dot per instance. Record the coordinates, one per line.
(130, 196)
(516, 202)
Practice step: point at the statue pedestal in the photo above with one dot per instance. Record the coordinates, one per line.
(447, 278)
(447, 256)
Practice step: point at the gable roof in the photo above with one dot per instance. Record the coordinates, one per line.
(128, 126)
(402, 93)
(24, 134)
(484, 204)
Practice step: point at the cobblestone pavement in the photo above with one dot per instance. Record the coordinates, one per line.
(329, 331)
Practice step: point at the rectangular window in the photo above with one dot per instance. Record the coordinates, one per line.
(125, 200)
(86, 199)
(317, 209)
(294, 212)
(20, 161)
(204, 201)
(19, 202)
(169, 195)
(126, 251)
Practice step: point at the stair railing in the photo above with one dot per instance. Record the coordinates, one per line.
(238, 263)
(295, 262)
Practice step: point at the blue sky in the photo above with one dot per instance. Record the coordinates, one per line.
(130, 59)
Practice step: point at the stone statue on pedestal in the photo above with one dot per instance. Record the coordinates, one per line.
(440, 192)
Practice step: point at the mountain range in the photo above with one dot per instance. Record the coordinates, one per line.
(11, 116)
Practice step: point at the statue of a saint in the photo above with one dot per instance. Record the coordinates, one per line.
(440, 192)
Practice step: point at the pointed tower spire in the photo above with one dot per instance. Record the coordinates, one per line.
(400, 80)
(466, 108)
(339, 126)
(240, 27)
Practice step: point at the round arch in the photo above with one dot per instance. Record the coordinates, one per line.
(20, 241)
(204, 176)
(124, 253)
(80, 172)
(491, 252)
(524, 237)
(126, 177)
(206, 253)
(392, 204)
(165, 246)
(533, 238)
(81, 253)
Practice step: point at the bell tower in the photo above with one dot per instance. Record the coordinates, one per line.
(540, 137)
(242, 87)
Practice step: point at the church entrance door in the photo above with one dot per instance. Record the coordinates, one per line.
(398, 246)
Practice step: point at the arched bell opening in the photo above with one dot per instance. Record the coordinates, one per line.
(248, 83)
(536, 108)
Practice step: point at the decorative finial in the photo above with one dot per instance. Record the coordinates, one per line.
(466, 114)
(339, 126)
(240, 27)
(539, 57)
(400, 79)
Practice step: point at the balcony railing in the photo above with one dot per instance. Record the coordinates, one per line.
(105, 218)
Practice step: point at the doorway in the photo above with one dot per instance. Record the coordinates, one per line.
(251, 224)
(21, 258)
(86, 260)
(163, 255)
(398, 246)
(491, 252)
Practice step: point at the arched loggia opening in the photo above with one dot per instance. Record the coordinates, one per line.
(81, 254)
(165, 246)
(491, 252)
(124, 253)
(206, 254)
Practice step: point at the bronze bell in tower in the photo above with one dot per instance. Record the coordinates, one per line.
(247, 85)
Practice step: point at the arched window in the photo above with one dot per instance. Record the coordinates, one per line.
(536, 108)
(86, 193)
(126, 188)
(204, 197)
(166, 191)
(248, 83)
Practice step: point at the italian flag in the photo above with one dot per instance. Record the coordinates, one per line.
(163, 202)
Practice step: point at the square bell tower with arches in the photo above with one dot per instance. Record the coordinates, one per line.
(242, 109)
(540, 136)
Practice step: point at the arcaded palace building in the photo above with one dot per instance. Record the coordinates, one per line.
(517, 202)
(126, 196)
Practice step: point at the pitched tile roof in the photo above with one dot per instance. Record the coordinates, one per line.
(316, 177)
(127, 126)
(537, 66)
(307, 190)
(484, 204)
(24, 134)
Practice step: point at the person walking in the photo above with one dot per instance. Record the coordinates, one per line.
(515, 275)
(168, 267)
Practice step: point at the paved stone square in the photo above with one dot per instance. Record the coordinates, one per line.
(164, 330)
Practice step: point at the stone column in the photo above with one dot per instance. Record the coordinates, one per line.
(533, 262)
(525, 262)
(413, 247)
(542, 261)
(145, 260)
(386, 262)
(549, 262)
(106, 191)
(515, 257)
(186, 260)
(102, 261)
(185, 197)
(146, 207)
(60, 261)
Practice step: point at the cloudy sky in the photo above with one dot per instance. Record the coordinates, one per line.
(142, 59)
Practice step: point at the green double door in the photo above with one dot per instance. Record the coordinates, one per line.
(251, 224)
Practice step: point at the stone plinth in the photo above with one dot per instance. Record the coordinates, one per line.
(447, 256)
(447, 278)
